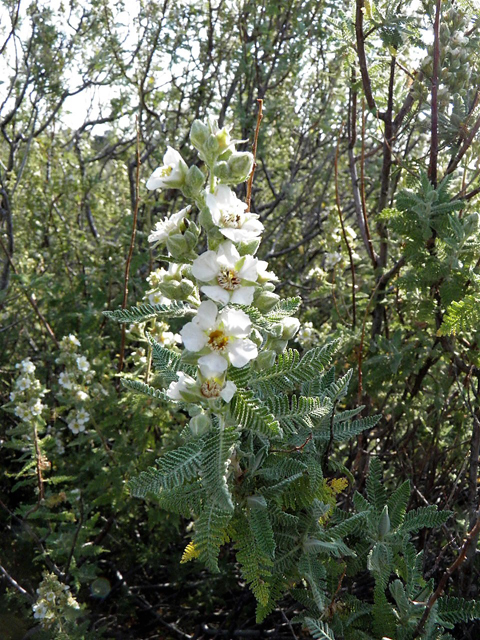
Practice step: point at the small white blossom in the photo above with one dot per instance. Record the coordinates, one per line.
(307, 333)
(75, 426)
(65, 380)
(332, 259)
(169, 339)
(73, 340)
(39, 610)
(83, 364)
(37, 408)
(165, 227)
(184, 384)
(82, 416)
(26, 366)
(157, 298)
(81, 396)
(23, 383)
(22, 412)
(171, 174)
(13, 395)
(230, 216)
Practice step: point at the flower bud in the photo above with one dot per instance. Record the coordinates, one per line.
(194, 181)
(384, 523)
(290, 328)
(200, 424)
(211, 149)
(240, 164)
(265, 359)
(177, 290)
(223, 139)
(266, 301)
(199, 134)
(177, 245)
(222, 172)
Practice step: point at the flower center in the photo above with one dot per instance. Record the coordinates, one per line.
(166, 171)
(229, 279)
(231, 219)
(217, 340)
(210, 388)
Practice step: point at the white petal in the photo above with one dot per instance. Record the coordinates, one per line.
(228, 391)
(249, 269)
(156, 180)
(172, 158)
(228, 255)
(238, 235)
(217, 293)
(173, 391)
(244, 295)
(206, 315)
(205, 267)
(212, 362)
(193, 336)
(241, 352)
(236, 323)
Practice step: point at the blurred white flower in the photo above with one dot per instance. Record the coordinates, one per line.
(83, 364)
(81, 396)
(157, 298)
(332, 259)
(82, 416)
(37, 408)
(75, 426)
(23, 383)
(65, 380)
(73, 340)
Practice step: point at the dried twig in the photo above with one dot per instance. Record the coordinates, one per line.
(444, 579)
(254, 151)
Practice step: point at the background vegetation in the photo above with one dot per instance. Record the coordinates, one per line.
(367, 183)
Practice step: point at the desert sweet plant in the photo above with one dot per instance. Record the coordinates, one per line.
(256, 455)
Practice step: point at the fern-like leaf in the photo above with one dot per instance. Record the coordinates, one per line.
(145, 312)
(250, 413)
(319, 630)
(211, 533)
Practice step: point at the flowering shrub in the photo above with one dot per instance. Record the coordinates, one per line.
(263, 419)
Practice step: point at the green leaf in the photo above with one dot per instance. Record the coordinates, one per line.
(145, 312)
(214, 465)
(424, 517)
(397, 504)
(319, 630)
(211, 533)
(167, 363)
(250, 413)
(146, 389)
(375, 490)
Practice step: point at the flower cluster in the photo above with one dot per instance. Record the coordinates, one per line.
(73, 383)
(55, 604)
(27, 393)
(223, 282)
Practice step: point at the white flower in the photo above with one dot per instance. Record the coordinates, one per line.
(26, 366)
(82, 416)
(184, 383)
(83, 364)
(169, 339)
(307, 333)
(23, 383)
(75, 426)
(81, 396)
(13, 395)
(165, 227)
(331, 259)
(232, 277)
(224, 335)
(37, 408)
(171, 174)
(157, 298)
(73, 340)
(50, 596)
(22, 412)
(64, 380)
(228, 213)
(212, 387)
(39, 610)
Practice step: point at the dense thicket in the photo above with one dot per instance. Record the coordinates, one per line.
(367, 184)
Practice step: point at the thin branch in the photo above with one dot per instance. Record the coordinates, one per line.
(254, 151)
(344, 233)
(15, 584)
(444, 579)
(362, 58)
(432, 169)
